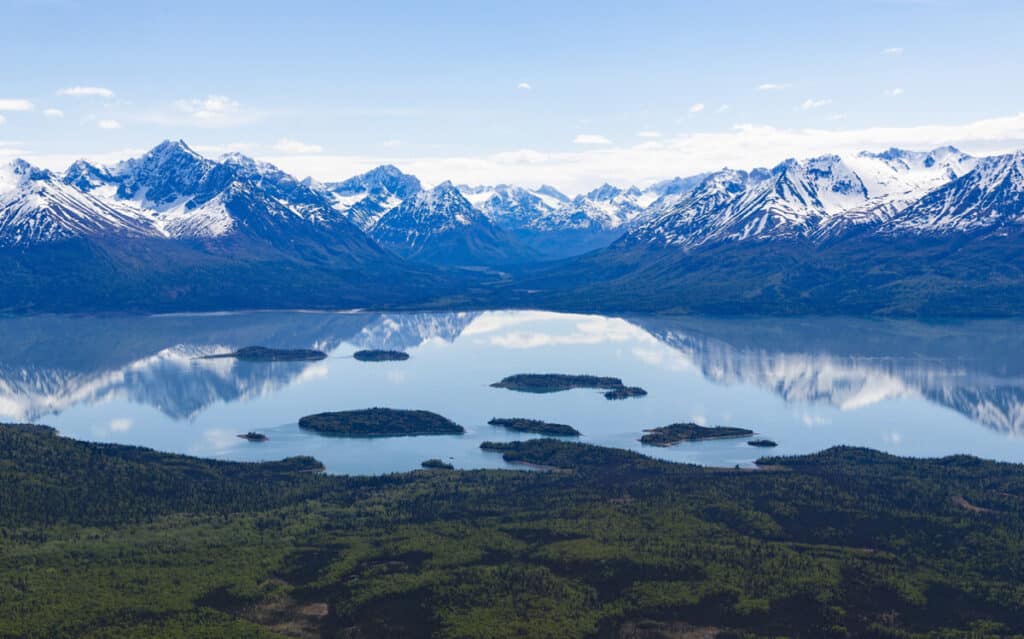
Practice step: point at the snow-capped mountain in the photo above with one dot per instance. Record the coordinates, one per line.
(171, 192)
(817, 199)
(556, 226)
(515, 207)
(441, 226)
(365, 198)
(989, 199)
(36, 207)
(188, 196)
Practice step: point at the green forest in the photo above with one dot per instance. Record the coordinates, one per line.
(101, 540)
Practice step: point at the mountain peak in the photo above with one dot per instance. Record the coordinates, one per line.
(86, 176)
(386, 177)
(604, 192)
(547, 189)
(169, 148)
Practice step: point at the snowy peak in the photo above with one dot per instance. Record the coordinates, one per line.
(168, 172)
(169, 192)
(36, 207)
(443, 206)
(513, 207)
(988, 199)
(819, 198)
(86, 176)
(365, 198)
(550, 191)
(604, 193)
(387, 178)
(441, 226)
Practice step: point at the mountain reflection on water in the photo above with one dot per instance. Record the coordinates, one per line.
(55, 369)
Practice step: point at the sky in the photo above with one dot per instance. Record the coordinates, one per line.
(567, 93)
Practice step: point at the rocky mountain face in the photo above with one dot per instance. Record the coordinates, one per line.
(897, 232)
(440, 226)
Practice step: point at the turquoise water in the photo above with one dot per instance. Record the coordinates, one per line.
(903, 387)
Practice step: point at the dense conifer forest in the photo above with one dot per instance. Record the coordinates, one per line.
(103, 540)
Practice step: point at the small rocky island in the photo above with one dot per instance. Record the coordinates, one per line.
(535, 426)
(762, 443)
(554, 383)
(437, 464)
(676, 433)
(254, 437)
(380, 356)
(625, 392)
(380, 422)
(262, 354)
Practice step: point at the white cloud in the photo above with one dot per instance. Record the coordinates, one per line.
(210, 108)
(287, 145)
(649, 134)
(591, 138)
(697, 108)
(221, 149)
(893, 438)
(772, 86)
(122, 425)
(53, 113)
(390, 144)
(894, 92)
(524, 85)
(15, 104)
(2, 119)
(810, 103)
(213, 111)
(87, 92)
(723, 108)
(108, 124)
(893, 51)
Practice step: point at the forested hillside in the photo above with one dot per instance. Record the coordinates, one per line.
(112, 541)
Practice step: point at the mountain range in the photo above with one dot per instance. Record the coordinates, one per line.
(896, 232)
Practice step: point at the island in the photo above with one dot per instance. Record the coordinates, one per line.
(556, 382)
(625, 392)
(262, 354)
(254, 437)
(535, 426)
(437, 464)
(762, 443)
(689, 432)
(380, 356)
(380, 422)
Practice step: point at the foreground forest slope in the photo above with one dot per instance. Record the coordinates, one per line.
(113, 541)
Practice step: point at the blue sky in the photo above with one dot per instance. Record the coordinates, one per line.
(568, 93)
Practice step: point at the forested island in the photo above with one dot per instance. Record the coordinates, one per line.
(535, 426)
(380, 356)
(262, 354)
(117, 541)
(689, 432)
(557, 382)
(437, 464)
(762, 443)
(380, 422)
(254, 437)
(625, 392)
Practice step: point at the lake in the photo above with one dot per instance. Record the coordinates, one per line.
(899, 386)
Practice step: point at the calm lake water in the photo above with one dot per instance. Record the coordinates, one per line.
(904, 387)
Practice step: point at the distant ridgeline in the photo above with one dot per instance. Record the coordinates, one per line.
(899, 233)
(117, 541)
